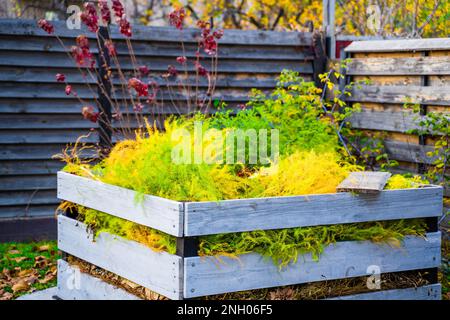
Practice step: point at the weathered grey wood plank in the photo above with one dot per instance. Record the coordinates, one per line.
(20, 150)
(33, 75)
(157, 271)
(427, 292)
(32, 167)
(41, 295)
(364, 182)
(24, 198)
(46, 138)
(25, 211)
(41, 182)
(410, 152)
(56, 91)
(385, 120)
(60, 60)
(163, 49)
(203, 218)
(76, 285)
(401, 95)
(164, 34)
(92, 288)
(207, 276)
(430, 44)
(155, 212)
(399, 66)
(26, 230)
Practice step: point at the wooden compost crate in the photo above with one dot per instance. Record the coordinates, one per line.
(185, 275)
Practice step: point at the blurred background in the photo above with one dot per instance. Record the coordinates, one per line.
(391, 18)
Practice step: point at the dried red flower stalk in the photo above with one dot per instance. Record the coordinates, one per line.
(201, 69)
(154, 86)
(81, 53)
(176, 18)
(60, 77)
(46, 26)
(89, 17)
(89, 114)
(144, 71)
(111, 48)
(125, 27)
(151, 98)
(181, 60)
(118, 9)
(140, 87)
(138, 107)
(208, 39)
(171, 71)
(117, 115)
(202, 24)
(105, 12)
(210, 45)
(218, 34)
(82, 41)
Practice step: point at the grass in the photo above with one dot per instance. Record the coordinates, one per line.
(26, 267)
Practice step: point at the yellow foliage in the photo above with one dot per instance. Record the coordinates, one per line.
(430, 18)
(398, 181)
(304, 173)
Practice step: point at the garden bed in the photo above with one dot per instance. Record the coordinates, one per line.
(185, 275)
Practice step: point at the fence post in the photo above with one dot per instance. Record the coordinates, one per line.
(104, 92)
(329, 29)
(320, 58)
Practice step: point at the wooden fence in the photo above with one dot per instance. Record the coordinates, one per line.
(37, 119)
(400, 71)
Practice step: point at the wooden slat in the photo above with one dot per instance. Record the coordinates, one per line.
(203, 218)
(35, 151)
(24, 198)
(73, 107)
(39, 106)
(46, 138)
(364, 182)
(26, 230)
(76, 285)
(399, 66)
(56, 91)
(164, 34)
(403, 151)
(157, 271)
(207, 276)
(92, 288)
(385, 120)
(37, 75)
(427, 292)
(399, 45)
(155, 212)
(61, 60)
(21, 121)
(402, 94)
(162, 49)
(35, 182)
(30, 167)
(25, 211)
